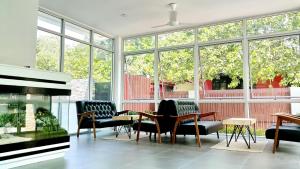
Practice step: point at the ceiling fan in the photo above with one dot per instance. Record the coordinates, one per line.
(172, 17)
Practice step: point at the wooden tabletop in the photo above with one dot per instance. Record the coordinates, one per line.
(239, 121)
(127, 117)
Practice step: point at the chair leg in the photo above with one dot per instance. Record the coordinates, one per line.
(197, 131)
(174, 131)
(79, 124)
(278, 123)
(218, 135)
(78, 131)
(158, 131)
(139, 128)
(150, 135)
(94, 130)
(277, 144)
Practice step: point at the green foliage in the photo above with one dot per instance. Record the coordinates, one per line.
(102, 65)
(259, 131)
(12, 119)
(273, 57)
(141, 43)
(268, 58)
(223, 31)
(222, 59)
(176, 38)
(140, 65)
(46, 120)
(48, 52)
(277, 23)
(76, 60)
(177, 66)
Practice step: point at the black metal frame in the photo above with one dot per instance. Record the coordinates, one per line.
(239, 129)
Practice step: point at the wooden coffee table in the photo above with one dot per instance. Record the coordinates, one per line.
(239, 124)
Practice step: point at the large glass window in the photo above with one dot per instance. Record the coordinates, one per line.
(221, 71)
(275, 67)
(139, 77)
(101, 77)
(140, 43)
(49, 22)
(176, 38)
(176, 74)
(277, 23)
(77, 32)
(222, 31)
(139, 107)
(47, 51)
(103, 41)
(76, 63)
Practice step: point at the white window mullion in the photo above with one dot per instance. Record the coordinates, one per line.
(246, 71)
(156, 78)
(196, 67)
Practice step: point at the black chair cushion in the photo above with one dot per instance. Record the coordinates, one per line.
(149, 126)
(101, 123)
(289, 132)
(205, 127)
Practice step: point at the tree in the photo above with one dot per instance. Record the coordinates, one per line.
(48, 52)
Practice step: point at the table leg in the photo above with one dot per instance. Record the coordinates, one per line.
(254, 133)
(249, 135)
(234, 130)
(226, 135)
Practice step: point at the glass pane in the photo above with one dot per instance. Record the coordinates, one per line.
(278, 23)
(223, 111)
(27, 118)
(139, 107)
(221, 71)
(49, 22)
(275, 67)
(101, 74)
(103, 41)
(176, 74)
(263, 113)
(139, 76)
(176, 38)
(222, 31)
(76, 63)
(47, 51)
(140, 43)
(77, 32)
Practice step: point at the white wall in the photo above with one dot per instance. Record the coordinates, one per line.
(18, 25)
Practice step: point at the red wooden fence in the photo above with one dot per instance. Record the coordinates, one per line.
(140, 87)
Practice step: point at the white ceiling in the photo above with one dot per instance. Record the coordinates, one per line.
(104, 15)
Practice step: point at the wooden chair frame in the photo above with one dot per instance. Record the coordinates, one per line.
(153, 118)
(280, 119)
(191, 116)
(92, 115)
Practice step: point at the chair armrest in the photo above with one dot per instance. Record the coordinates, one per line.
(186, 116)
(288, 118)
(122, 112)
(208, 114)
(150, 116)
(87, 114)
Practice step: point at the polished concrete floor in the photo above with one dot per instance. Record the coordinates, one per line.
(87, 153)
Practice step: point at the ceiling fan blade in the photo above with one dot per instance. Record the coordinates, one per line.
(158, 26)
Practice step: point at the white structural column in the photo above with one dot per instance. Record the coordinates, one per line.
(246, 71)
(156, 78)
(196, 67)
(118, 62)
